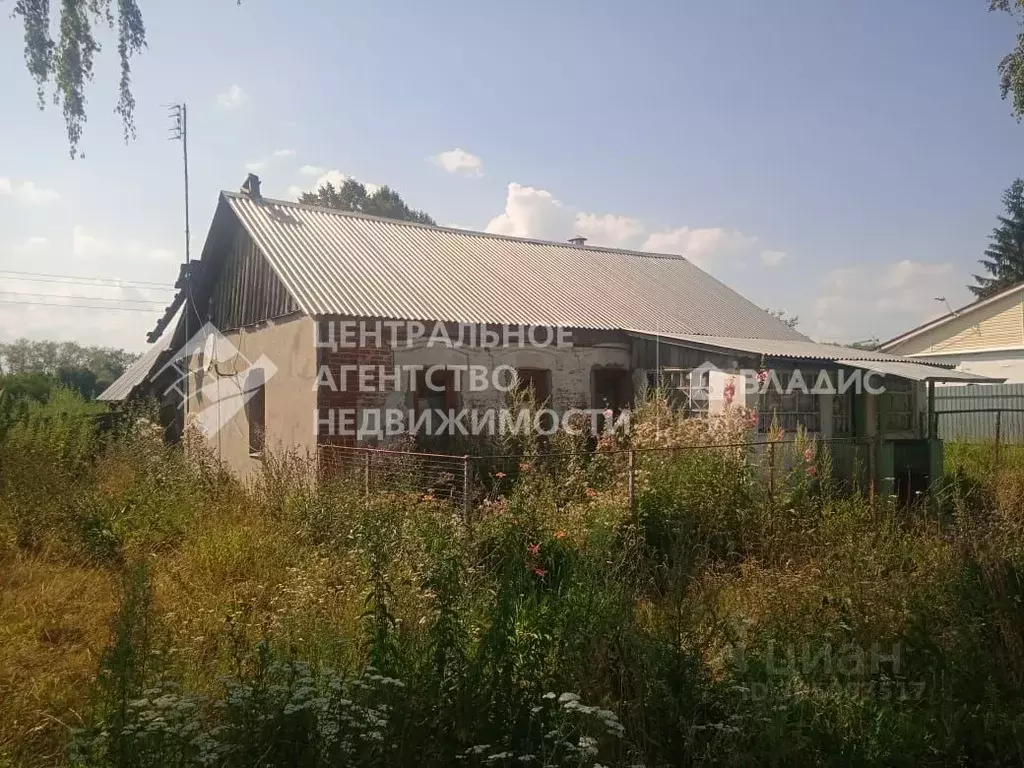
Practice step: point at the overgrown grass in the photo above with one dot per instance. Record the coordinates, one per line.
(154, 612)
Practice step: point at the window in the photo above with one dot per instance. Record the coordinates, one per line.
(898, 405)
(611, 388)
(842, 413)
(536, 379)
(437, 394)
(256, 411)
(790, 407)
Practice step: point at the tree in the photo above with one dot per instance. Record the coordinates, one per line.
(352, 196)
(68, 61)
(782, 315)
(89, 370)
(1011, 67)
(1004, 258)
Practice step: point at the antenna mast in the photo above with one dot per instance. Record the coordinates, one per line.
(179, 132)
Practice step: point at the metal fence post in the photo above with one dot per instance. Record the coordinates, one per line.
(366, 474)
(465, 488)
(632, 480)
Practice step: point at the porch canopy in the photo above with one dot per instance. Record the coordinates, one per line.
(788, 349)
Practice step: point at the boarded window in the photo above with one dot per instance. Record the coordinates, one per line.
(256, 411)
(537, 380)
(435, 391)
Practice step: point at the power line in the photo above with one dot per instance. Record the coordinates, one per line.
(43, 277)
(86, 298)
(80, 306)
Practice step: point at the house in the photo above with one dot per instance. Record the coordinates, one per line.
(985, 337)
(305, 300)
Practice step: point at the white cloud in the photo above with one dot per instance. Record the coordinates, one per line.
(773, 258)
(532, 212)
(609, 230)
(906, 272)
(284, 153)
(33, 245)
(232, 97)
(536, 213)
(256, 167)
(87, 246)
(311, 170)
(335, 178)
(881, 299)
(27, 192)
(294, 192)
(459, 161)
(701, 245)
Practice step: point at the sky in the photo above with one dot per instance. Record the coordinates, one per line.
(843, 162)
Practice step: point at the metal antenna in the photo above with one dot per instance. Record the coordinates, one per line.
(943, 300)
(178, 114)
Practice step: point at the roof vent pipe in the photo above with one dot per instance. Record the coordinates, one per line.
(578, 240)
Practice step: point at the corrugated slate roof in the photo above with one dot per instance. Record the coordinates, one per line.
(349, 264)
(880, 362)
(919, 372)
(796, 349)
(136, 373)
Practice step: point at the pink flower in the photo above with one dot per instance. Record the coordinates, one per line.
(524, 466)
(540, 572)
(809, 455)
(608, 413)
(590, 492)
(762, 376)
(533, 549)
(730, 391)
(812, 470)
(499, 475)
(559, 534)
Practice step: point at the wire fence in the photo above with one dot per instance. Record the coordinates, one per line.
(465, 480)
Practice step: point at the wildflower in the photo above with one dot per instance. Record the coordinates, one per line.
(559, 534)
(730, 391)
(499, 475)
(524, 466)
(809, 455)
(762, 376)
(533, 549)
(812, 470)
(427, 497)
(540, 572)
(590, 492)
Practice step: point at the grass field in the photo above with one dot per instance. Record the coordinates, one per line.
(155, 612)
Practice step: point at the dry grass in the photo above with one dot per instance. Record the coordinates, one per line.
(54, 626)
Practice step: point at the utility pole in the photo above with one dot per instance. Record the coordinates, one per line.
(179, 132)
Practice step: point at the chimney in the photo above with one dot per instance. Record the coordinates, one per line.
(578, 240)
(251, 187)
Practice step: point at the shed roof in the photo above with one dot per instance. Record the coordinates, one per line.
(796, 349)
(880, 362)
(136, 373)
(348, 264)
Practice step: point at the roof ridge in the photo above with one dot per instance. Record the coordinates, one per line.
(959, 311)
(457, 230)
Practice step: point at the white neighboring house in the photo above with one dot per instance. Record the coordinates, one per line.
(986, 337)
